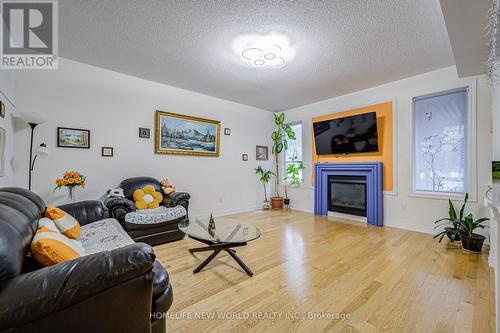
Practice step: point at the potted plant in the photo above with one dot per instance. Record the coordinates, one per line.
(265, 177)
(293, 176)
(280, 138)
(452, 231)
(471, 242)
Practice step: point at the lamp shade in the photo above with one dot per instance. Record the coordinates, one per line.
(42, 150)
(33, 117)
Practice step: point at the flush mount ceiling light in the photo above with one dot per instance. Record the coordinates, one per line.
(271, 50)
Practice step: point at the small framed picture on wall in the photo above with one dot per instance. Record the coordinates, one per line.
(144, 133)
(107, 151)
(73, 138)
(261, 153)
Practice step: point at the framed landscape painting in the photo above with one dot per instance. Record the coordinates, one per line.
(495, 169)
(73, 138)
(186, 135)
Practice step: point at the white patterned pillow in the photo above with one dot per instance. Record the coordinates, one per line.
(156, 215)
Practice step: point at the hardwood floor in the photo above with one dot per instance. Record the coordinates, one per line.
(377, 279)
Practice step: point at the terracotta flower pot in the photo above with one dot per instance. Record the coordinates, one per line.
(277, 202)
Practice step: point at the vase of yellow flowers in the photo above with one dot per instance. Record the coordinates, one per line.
(71, 180)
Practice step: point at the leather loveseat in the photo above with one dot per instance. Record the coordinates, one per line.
(152, 234)
(121, 290)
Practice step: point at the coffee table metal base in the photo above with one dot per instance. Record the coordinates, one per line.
(217, 248)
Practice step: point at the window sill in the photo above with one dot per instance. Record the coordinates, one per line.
(300, 187)
(439, 196)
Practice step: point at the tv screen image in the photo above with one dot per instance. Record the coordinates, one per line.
(347, 135)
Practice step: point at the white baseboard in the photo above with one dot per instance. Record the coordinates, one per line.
(492, 261)
(302, 210)
(410, 227)
(227, 212)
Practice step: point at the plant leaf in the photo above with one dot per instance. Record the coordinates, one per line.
(442, 236)
(443, 219)
(463, 206)
(481, 220)
(285, 143)
(275, 136)
(451, 211)
(279, 147)
(282, 118)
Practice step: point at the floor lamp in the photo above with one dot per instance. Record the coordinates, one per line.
(34, 119)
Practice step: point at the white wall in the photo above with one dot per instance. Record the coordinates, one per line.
(113, 106)
(496, 120)
(401, 209)
(8, 97)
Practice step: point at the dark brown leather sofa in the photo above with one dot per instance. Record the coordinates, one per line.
(123, 290)
(151, 234)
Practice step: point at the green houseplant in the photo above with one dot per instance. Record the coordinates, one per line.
(293, 176)
(471, 242)
(280, 138)
(264, 177)
(450, 223)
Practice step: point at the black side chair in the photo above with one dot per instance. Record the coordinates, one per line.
(151, 234)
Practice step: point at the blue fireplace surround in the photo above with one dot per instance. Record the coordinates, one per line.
(374, 197)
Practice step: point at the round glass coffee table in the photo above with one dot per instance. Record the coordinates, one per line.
(227, 234)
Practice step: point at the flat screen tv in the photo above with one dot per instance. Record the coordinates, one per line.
(347, 135)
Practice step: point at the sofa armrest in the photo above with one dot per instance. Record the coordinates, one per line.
(119, 207)
(35, 295)
(85, 212)
(179, 198)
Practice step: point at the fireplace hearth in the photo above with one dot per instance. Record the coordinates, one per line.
(347, 194)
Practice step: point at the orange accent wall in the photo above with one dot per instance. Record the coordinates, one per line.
(384, 129)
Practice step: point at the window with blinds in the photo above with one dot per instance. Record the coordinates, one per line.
(440, 142)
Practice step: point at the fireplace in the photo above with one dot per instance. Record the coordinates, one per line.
(347, 194)
(373, 198)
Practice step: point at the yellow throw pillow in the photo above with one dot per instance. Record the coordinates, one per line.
(66, 223)
(51, 247)
(147, 198)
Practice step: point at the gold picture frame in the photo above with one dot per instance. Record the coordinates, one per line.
(179, 134)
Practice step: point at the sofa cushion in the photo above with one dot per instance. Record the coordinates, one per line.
(103, 235)
(66, 223)
(50, 247)
(156, 215)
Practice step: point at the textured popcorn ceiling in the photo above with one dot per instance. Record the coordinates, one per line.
(341, 46)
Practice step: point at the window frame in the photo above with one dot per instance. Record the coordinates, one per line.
(471, 148)
(284, 161)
